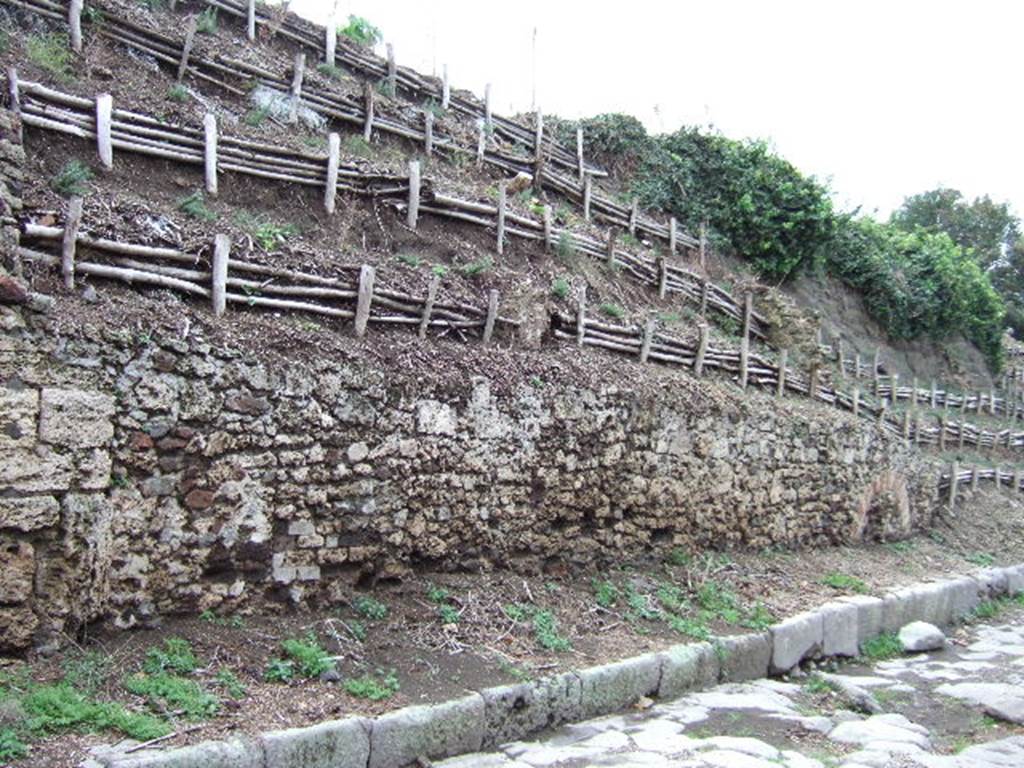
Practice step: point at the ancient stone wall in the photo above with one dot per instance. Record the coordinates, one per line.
(146, 475)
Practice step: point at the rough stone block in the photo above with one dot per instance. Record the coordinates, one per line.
(684, 668)
(964, 596)
(869, 615)
(840, 631)
(899, 608)
(236, 753)
(17, 569)
(514, 712)
(933, 603)
(744, 657)
(335, 744)
(443, 730)
(1014, 580)
(25, 471)
(796, 638)
(31, 513)
(614, 687)
(994, 580)
(19, 409)
(17, 626)
(75, 418)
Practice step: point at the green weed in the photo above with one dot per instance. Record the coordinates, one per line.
(436, 594)
(358, 146)
(688, 626)
(177, 93)
(229, 681)
(194, 205)
(162, 689)
(206, 22)
(605, 593)
(11, 746)
(886, 646)
(71, 179)
(560, 287)
(52, 53)
(330, 71)
(357, 630)
(378, 688)
(545, 631)
(679, 557)
(309, 658)
(448, 614)
(175, 656)
(55, 708)
(983, 559)
(565, 248)
(439, 269)
(817, 685)
(477, 268)
(759, 618)
(613, 310)
(410, 259)
(844, 581)
(267, 234)
(86, 671)
(361, 31)
(719, 601)
(256, 116)
(279, 671)
(517, 612)
(369, 608)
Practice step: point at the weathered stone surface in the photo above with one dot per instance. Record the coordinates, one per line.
(840, 631)
(881, 728)
(994, 580)
(335, 744)
(795, 639)
(237, 753)
(613, 687)
(687, 668)
(964, 596)
(1002, 700)
(17, 626)
(75, 418)
(12, 290)
(17, 569)
(19, 410)
(442, 730)
(921, 636)
(514, 712)
(869, 615)
(744, 657)
(29, 513)
(28, 471)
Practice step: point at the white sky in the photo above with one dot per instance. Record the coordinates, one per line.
(880, 99)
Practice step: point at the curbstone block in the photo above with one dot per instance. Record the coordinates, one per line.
(1014, 580)
(994, 580)
(441, 730)
(744, 657)
(613, 687)
(514, 712)
(964, 596)
(795, 639)
(935, 603)
(334, 744)
(236, 753)
(869, 615)
(840, 631)
(685, 668)
(898, 608)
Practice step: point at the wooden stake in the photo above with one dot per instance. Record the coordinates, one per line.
(428, 133)
(298, 72)
(645, 347)
(488, 117)
(579, 154)
(634, 211)
(330, 39)
(538, 152)
(104, 127)
(69, 241)
(894, 383)
(547, 227)
(962, 436)
(839, 357)
(75, 24)
(913, 392)
(446, 90)
(855, 400)
(974, 478)
(780, 387)
(875, 371)
(935, 394)
(906, 427)
(392, 72)
(856, 366)
(368, 109)
(610, 248)
(954, 471)
(219, 283)
(428, 306)
(581, 315)
(1016, 479)
(502, 204)
(414, 197)
(587, 183)
(812, 387)
(704, 289)
(366, 276)
(703, 245)
(702, 350)
(492, 315)
(210, 153)
(14, 96)
(481, 143)
(748, 304)
(662, 277)
(992, 403)
(250, 21)
(333, 158)
(672, 236)
(186, 50)
(942, 432)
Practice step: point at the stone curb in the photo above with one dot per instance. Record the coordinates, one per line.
(513, 712)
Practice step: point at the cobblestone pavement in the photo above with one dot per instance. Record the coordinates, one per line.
(959, 707)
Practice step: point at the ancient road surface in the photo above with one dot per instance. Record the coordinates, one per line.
(960, 707)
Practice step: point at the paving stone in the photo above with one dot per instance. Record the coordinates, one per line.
(723, 758)
(795, 639)
(744, 657)
(839, 629)
(921, 636)
(441, 730)
(877, 728)
(687, 668)
(334, 744)
(744, 744)
(1002, 700)
(614, 687)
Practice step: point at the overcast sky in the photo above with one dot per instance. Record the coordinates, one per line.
(879, 99)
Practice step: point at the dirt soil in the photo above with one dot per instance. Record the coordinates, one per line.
(484, 639)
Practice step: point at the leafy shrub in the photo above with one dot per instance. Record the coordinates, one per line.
(267, 234)
(885, 646)
(229, 681)
(177, 93)
(175, 656)
(309, 658)
(195, 206)
(11, 746)
(545, 631)
(384, 686)
(838, 580)
(477, 268)
(369, 608)
(361, 31)
(255, 117)
(605, 593)
(330, 71)
(279, 671)
(71, 179)
(613, 310)
(560, 287)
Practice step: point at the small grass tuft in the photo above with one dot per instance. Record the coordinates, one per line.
(256, 116)
(606, 594)
(229, 681)
(175, 656)
(983, 559)
(613, 310)
(560, 287)
(375, 688)
(886, 646)
(817, 685)
(545, 631)
(358, 146)
(477, 268)
(368, 608)
(330, 71)
(361, 31)
(267, 234)
(52, 53)
(308, 657)
(206, 22)
(72, 179)
(178, 93)
(844, 581)
(194, 205)
(410, 259)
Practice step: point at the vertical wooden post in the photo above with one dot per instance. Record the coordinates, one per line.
(502, 203)
(75, 24)
(855, 400)
(609, 256)
(428, 133)
(981, 397)
(645, 347)
(581, 315)
(748, 304)
(392, 72)
(1016, 479)
(780, 388)
(538, 153)
(906, 427)
(219, 284)
(330, 38)
(874, 368)
(579, 154)
(69, 242)
(962, 436)
(414, 198)
(662, 277)
(894, 384)
(702, 350)
(14, 96)
(250, 21)
(634, 212)
(547, 227)
(210, 152)
(703, 245)
(942, 432)
(481, 143)
(104, 128)
(881, 412)
(365, 300)
(333, 157)
(368, 109)
(299, 71)
(587, 190)
(492, 315)
(704, 288)
(672, 235)
(446, 89)
(913, 392)
(839, 357)
(812, 384)
(963, 402)
(954, 471)
(488, 115)
(856, 366)
(186, 49)
(934, 394)
(974, 477)
(992, 402)
(428, 306)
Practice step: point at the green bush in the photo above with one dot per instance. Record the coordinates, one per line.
(361, 31)
(175, 656)
(51, 53)
(309, 658)
(384, 686)
(72, 179)
(164, 690)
